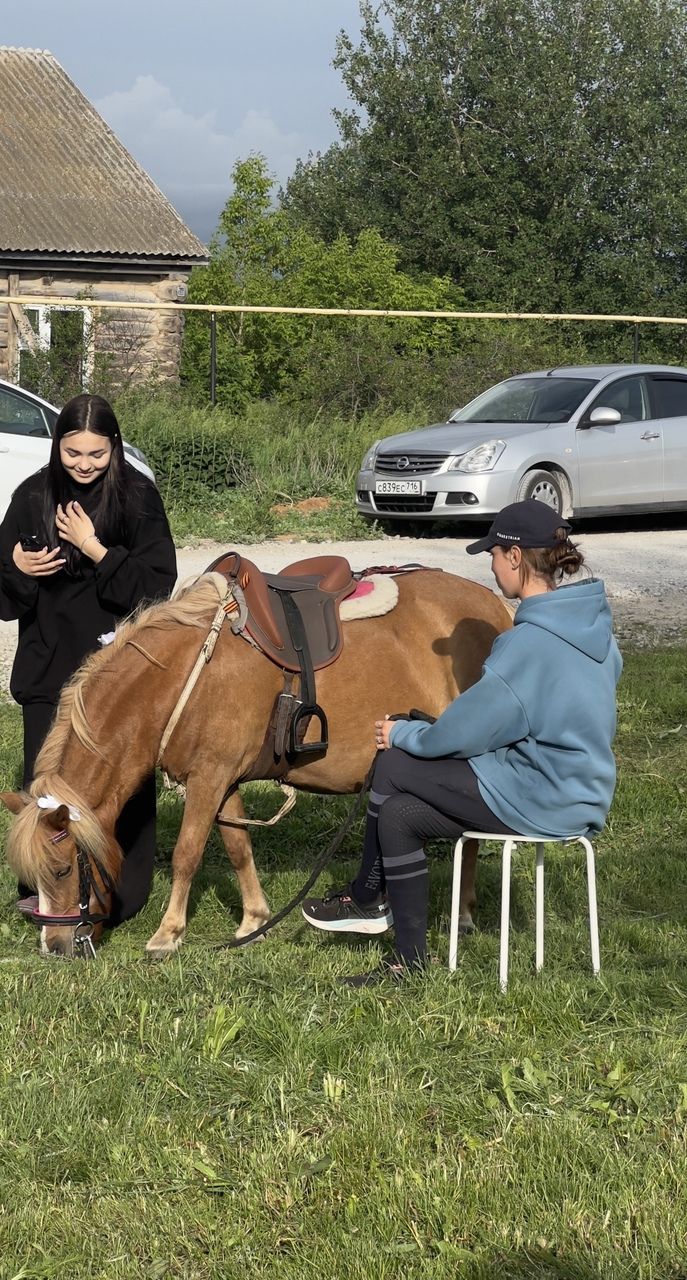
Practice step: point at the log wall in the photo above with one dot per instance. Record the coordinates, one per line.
(137, 345)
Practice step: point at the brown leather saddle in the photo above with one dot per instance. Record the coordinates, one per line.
(293, 618)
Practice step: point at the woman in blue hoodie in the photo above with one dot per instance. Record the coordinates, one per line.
(526, 749)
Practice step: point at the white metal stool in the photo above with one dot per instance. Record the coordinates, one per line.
(509, 843)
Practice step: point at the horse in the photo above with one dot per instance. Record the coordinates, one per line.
(112, 716)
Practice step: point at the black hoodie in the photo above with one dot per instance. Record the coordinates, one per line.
(61, 617)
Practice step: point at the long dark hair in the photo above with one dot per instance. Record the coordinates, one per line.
(88, 413)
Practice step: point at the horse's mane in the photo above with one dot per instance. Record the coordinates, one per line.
(189, 607)
(33, 858)
(29, 851)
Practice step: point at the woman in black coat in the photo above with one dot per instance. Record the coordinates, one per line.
(84, 541)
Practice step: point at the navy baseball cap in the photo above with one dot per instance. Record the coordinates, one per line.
(523, 524)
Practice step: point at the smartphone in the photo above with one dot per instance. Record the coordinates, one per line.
(30, 541)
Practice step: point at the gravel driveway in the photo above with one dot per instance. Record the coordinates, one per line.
(645, 571)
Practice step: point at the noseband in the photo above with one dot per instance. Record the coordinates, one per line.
(84, 923)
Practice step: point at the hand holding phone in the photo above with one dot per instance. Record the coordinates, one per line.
(34, 559)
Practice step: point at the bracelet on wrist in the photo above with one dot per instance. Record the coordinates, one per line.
(88, 539)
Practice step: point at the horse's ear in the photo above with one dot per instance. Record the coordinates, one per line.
(58, 818)
(13, 800)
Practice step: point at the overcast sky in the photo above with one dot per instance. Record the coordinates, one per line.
(189, 86)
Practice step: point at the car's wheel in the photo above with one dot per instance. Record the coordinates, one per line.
(545, 486)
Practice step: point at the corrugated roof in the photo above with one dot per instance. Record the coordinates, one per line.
(67, 185)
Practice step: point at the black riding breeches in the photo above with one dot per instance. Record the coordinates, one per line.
(413, 800)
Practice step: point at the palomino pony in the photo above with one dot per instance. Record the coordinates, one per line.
(112, 716)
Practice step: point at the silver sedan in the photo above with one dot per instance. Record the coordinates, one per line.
(588, 440)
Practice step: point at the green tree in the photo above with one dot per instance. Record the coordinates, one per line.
(531, 150)
(248, 258)
(257, 257)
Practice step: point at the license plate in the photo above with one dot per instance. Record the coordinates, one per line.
(398, 486)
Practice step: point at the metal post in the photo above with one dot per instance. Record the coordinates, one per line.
(635, 348)
(213, 357)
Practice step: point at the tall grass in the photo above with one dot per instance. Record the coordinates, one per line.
(222, 475)
(234, 1114)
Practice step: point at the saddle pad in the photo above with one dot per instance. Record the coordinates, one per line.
(372, 597)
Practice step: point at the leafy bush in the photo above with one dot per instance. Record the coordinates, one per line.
(221, 474)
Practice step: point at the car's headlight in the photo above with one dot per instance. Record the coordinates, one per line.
(481, 458)
(368, 461)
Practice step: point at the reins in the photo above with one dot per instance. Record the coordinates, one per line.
(323, 860)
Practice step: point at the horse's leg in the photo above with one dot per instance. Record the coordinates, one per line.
(468, 895)
(200, 809)
(237, 843)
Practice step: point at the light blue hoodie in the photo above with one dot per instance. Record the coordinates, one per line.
(537, 727)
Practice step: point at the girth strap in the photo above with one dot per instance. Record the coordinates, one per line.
(306, 708)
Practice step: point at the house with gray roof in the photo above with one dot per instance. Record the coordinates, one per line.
(80, 218)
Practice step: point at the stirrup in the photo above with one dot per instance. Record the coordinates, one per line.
(305, 712)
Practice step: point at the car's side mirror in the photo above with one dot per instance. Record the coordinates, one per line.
(602, 416)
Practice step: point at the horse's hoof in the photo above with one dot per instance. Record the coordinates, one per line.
(161, 950)
(244, 933)
(466, 927)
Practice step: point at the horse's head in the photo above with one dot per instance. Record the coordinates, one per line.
(62, 851)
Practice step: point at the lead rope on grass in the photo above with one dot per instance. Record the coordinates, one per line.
(324, 858)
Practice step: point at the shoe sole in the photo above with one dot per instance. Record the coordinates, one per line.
(366, 927)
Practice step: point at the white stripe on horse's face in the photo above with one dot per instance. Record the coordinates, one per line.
(44, 909)
(62, 938)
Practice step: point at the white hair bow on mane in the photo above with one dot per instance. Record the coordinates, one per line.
(50, 802)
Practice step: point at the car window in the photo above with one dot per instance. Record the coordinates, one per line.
(669, 397)
(629, 396)
(20, 417)
(528, 400)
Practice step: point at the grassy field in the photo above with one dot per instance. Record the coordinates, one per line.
(240, 1115)
(250, 476)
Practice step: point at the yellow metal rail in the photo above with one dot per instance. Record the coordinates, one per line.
(31, 300)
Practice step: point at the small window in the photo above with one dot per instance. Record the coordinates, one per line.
(67, 345)
(59, 364)
(20, 417)
(670, 397)
(628, 396)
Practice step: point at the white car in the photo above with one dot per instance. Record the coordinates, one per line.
(26, 427)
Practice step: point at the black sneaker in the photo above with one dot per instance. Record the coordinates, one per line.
(340, 913)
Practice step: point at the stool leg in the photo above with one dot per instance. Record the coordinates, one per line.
(539, 907)
(593, 913)
(455, 905)
(505, 914)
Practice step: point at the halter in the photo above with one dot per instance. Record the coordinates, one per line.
(84, 923)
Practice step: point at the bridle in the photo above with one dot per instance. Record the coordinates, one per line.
(84, 923)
